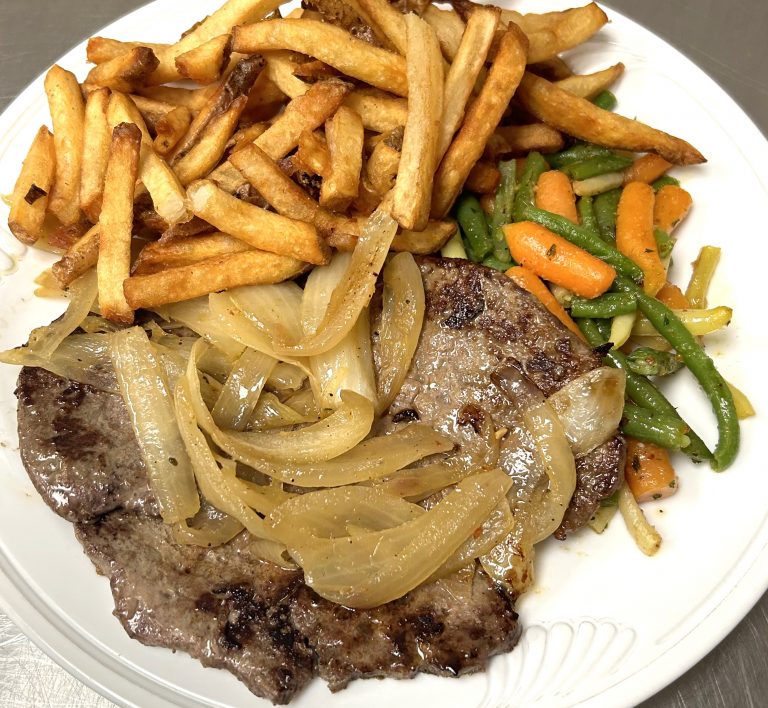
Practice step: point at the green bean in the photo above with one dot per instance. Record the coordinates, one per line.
(700, 365)
(577, 153)
(503, 203)
(604, 329)
(605, 100)
(641, 391)
(603, 307)
(595, 166)
(606, 205)
(535, 165)
(650, 427)
(585, 239)
(497, 264)
(586, 210)
(647, 361)
(474, 227)
(664, 242)
(665, 181)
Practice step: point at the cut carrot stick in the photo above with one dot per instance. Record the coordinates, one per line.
(553, 258)
(554, 193)
(648, 471)
(531, 282)
(634, 234)
(646, 169)
(673, 297)
(672, 205)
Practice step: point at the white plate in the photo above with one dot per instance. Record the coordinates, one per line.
(604, 625)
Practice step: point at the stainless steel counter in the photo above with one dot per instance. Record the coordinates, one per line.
(727, 39)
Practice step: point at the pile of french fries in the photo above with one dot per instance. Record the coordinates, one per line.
(254, 145)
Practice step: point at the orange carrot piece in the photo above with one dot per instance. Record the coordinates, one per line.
(648, 471)
(531, 282)
(553, 258)
(672, 205)
(673, 297)
(646, 169)
(634, 234)
(554, 193)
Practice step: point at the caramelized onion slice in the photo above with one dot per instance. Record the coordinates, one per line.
(271, 413)
(242, 389)
(210, 527)
(142, 384)
(402, 317)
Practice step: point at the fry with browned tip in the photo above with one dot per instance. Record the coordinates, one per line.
(96, 141)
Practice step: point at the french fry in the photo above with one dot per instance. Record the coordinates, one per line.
(483, 178)
(344, 133)
(466, 66)
(314, 70)
(578, 117)
(280, 69)
(205, 63)
(481, 120)
(449, 28)
(330, 44)
(29, 199)
(312, 155)
(208, 276)
(100, 50)
(116, 222)
(389, 22)
(96, 139)
(125, 72)
(381, 167)
(554, 69)
(244, 137)
(193, 227)
(157, 256)
(429, 240)
(227, 177)
(208, 151)
(522, 139)
(68, 114)
(413, 188)
(260, 228)
(379, 111)
(589, 85)
(193, 99)
(170, 128)
(78, 259)
(64, 237)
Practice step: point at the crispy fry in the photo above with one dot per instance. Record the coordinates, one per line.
(554, 69)
(206, 62)
(483, 178)
(482, 118)
(449, 28)
(68, 115)
(332, 45)
(208, 276)
(193, 99)
(244, 137)
(171, 128)
(344, 133)
(522, 139)
(314, 70)
(387, 20)
(381, 168)
(78, 259)
(96, 139)
(29, 199)
(116, 222)
(260, 228)
(589, 85)
(280, 69)
(101, 49)
(413, 188)
(379, 111)
(429, 240)
(64, 237)
(208, 151)
(466, 66)
(312, 155)
(125, 72)
(582, 119)
(157, 255)
(194, 227)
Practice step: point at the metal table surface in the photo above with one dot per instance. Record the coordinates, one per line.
(727, 39)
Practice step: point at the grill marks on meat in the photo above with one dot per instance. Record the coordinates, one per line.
(79, 448)
(231, 610)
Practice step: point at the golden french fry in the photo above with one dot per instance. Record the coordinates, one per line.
(158, 255)
(116, 222)
(312, 155)
(430, 240)
(125, 72)
(101, 49)
(207, 152)
(466, 66)
(244, 137)
(449, 28)
(193, 99)
(193, 227)
(330, 44)
(29, 199)
(208, 276)
(387, 20)
(564, 31)
(522, 139)
(381, 167)
(314, 70)
(344, 133)
(96, 139)
(481, 120)
(379, 111)
(553, 69)
(280, 69)
(589, 85)
(170, 128)
(578, 117)
(64, 237)
(78, 259)
(68, 114)
(227, 177)
(413, 187)
(260, 228)
(205, 63)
